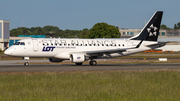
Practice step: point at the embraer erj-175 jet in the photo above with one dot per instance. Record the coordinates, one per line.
(80, 50)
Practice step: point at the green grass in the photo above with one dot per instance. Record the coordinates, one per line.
(149, 85)
(1, 52)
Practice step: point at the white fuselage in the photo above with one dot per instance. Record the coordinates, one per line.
(62, 48)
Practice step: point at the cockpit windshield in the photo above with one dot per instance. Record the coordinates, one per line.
(22, 43)
(19, 43)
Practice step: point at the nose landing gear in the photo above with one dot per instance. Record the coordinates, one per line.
(26, 61)
(26, 64)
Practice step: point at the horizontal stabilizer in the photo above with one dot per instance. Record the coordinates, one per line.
(161, 44)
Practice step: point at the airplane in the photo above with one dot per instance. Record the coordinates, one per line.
(81, 50)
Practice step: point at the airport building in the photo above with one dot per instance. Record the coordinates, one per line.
(4, 34)
(127, 33)
(13, 40)
(164, 36)
(6, 40)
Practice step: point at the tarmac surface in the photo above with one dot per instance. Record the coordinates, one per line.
(12, 66)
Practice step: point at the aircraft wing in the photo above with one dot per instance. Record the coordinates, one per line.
(113, 50)
(105, 51)
(101, 52)
(109, 50)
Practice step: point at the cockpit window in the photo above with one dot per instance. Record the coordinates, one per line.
(22, 43)
(19, 43)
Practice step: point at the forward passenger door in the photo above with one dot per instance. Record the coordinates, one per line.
(35, 45)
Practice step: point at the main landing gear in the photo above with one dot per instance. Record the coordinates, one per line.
(26, 61)
(79, 64)
(92, 63)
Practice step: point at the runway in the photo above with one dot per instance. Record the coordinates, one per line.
(85, 67)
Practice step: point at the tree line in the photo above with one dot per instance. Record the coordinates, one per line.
(99, 30)
(176, 26)
(49, 31)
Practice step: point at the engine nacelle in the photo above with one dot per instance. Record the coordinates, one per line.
(78, 58)
(55, 60)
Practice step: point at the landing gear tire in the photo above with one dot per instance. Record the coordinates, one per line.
(79, 64)
(26, 64)
(26, 61)
(93, 63)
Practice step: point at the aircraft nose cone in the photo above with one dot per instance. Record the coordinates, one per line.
(8, 51)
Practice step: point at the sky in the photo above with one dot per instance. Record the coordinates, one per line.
(80, 14)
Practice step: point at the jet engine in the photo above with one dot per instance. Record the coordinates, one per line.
(55, 60)
(78, 58)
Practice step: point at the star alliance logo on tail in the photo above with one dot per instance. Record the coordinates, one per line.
(152, 30)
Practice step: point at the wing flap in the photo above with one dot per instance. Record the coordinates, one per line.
(105, 51)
